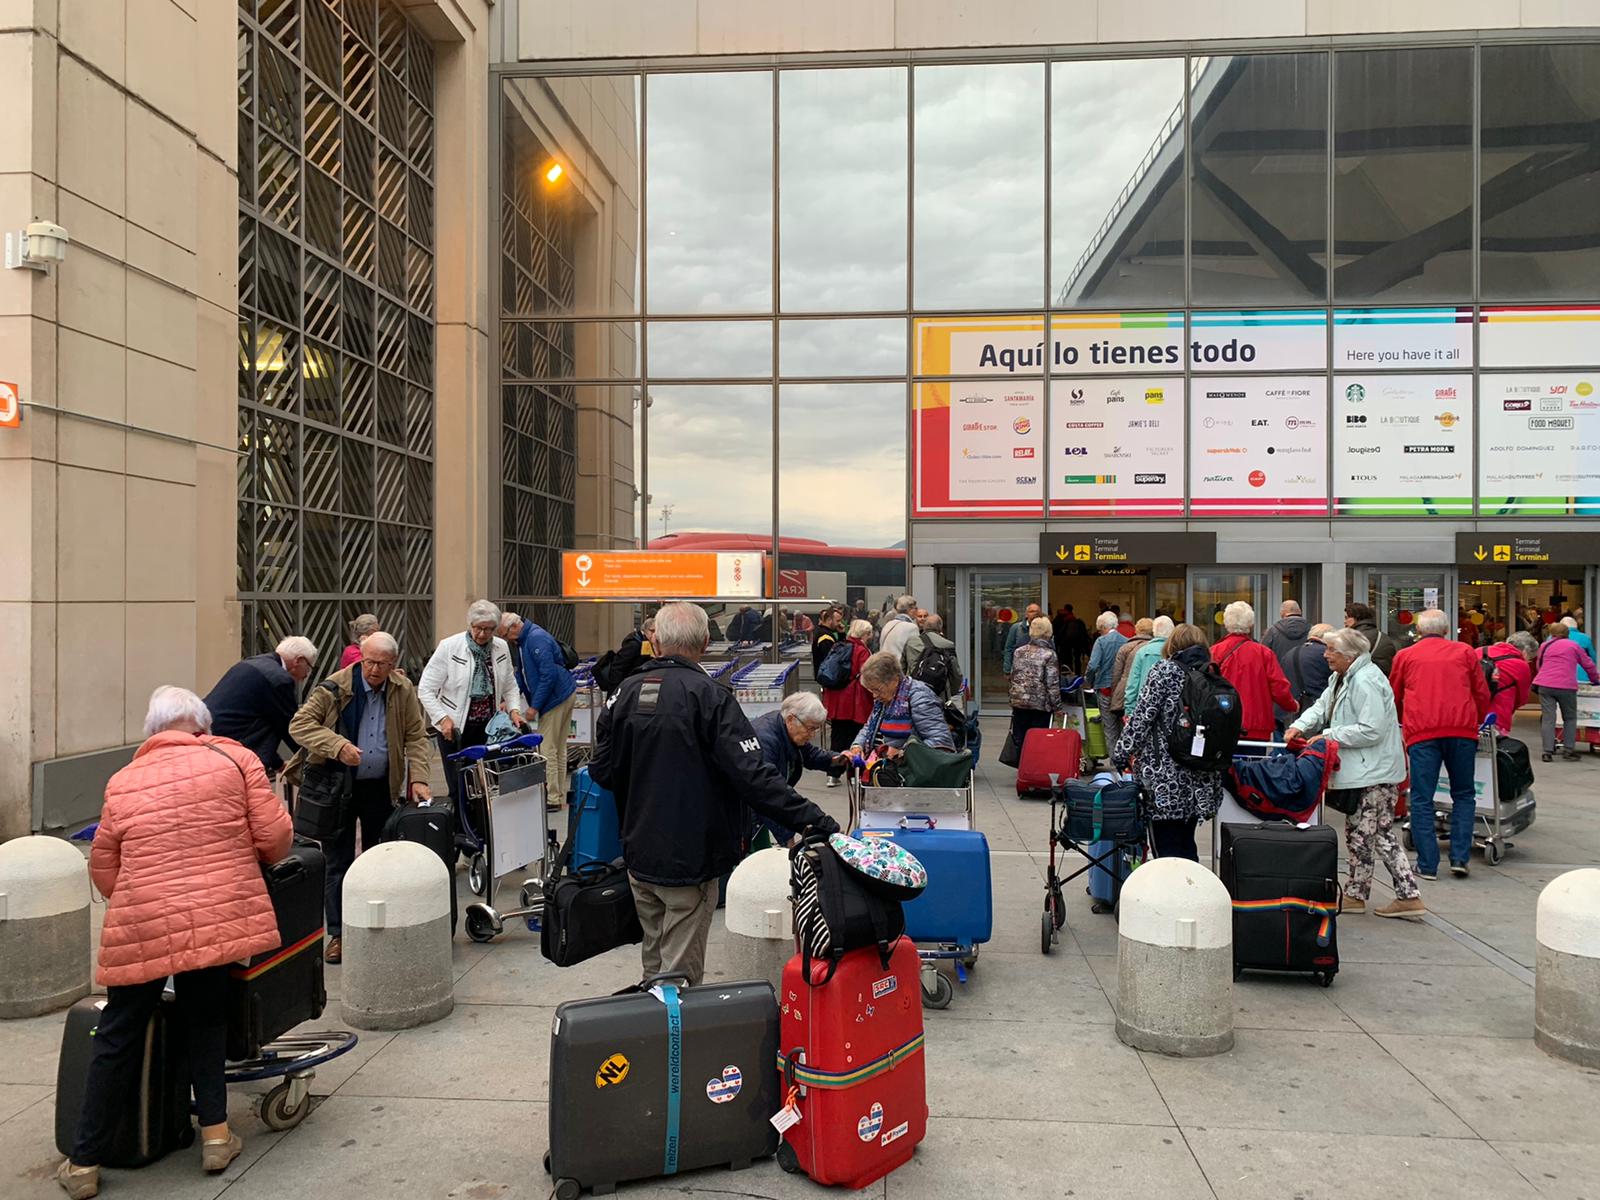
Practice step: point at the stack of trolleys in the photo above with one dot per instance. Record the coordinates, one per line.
(506, 827)
(719, 668)
(955, 912)
(761, 687)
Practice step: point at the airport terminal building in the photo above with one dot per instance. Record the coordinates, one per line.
(380, 305)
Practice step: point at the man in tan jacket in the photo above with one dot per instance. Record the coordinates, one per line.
(366, 717)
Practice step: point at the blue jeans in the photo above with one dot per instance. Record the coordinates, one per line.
(1456, 754)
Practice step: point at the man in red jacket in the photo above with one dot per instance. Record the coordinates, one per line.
(1254, 671)
(1441, 696)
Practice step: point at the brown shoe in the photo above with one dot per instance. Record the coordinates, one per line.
(1410, 909)
(78, 1182)
(335, 951)
(217, 1153)
(1354, 905)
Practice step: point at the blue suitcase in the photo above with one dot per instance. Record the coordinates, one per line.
(1102, 885)
(592, 825)
(958, 904)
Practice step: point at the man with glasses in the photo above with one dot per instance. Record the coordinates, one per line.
(367, 718)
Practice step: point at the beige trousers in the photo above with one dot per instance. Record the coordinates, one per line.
(554, 726)
(676, 922)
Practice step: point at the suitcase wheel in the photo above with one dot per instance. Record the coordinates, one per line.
(547, 1162)
(277, 1112)
(568, 1189)
(788, 1160)
(483, 923)
(940, 994)
(1325, 978)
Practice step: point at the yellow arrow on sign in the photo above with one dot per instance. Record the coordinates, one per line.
(1481, 554)
(1061, 553)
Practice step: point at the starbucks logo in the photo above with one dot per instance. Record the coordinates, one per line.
(1355, 393)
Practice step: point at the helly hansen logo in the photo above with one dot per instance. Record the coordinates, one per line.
(750, 745)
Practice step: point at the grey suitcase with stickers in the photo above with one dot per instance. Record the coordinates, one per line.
(645, 1084)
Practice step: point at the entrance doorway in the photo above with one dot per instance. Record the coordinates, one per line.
(1496, 604)
(1397, 596)
(999, 598)
(1214, 589)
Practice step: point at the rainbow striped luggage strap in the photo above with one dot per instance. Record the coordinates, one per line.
(812, 1077)
(1317, 908)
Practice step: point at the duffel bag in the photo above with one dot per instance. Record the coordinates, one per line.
(1103, 811)
(1513, 767)
(926, 766)
(588, 912)
(322, 804)
(834, 910)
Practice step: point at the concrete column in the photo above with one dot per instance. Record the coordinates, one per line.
(44, 926)
(1566, 997)
(1175, 960)
(760, 924)
(397, 970)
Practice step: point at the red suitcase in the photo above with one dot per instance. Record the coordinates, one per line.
(1047, 752)
(852, 1047)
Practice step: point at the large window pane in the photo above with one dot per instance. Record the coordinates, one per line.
(710, 349)
(872, 347)
(1259, 201)
(1116, 176)
(842, 492)
(710, 460)
(1402, 199)
(979, 185)
(569, 205)
(1540, 172)
(709, 239)
(842, 200)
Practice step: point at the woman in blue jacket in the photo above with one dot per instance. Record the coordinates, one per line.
(902, 706)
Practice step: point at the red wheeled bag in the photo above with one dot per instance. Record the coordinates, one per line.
(1047, 752)
(852, 1061)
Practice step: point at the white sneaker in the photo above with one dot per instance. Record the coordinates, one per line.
(833, 782)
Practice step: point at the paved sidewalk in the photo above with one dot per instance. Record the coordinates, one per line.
(1413, 1076)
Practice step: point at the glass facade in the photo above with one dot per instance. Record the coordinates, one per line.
(1276, 283)
(336, 322)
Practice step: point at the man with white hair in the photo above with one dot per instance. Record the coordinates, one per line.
(1441, 696)
(788, 742)
(1254, 672)
(899, 629)
(1017, 635)
(680, 756)
(367, 718)
(255, 699)
(1101, 672)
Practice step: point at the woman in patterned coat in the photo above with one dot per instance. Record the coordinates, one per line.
(1176, 797)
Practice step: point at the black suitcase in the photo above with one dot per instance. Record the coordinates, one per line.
(277, 990)
(432, 825)
(1513, 768)
(1284, 881)
(643, 1086)
(588, 912)
(152, 1123)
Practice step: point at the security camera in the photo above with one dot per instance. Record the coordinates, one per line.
(37, 246)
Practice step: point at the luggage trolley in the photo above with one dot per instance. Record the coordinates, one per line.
(884, 808)
(1055, 903)
(505, 825)
(1496, 818)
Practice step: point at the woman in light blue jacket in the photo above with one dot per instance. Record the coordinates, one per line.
(1357, 712)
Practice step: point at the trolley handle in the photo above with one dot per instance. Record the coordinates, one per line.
(472, 754)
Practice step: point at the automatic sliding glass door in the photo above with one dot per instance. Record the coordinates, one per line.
(999, 599)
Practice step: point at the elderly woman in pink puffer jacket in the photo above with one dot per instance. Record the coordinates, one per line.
(183, 833)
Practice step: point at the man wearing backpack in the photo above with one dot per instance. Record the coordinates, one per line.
(1254, 671)
(550, 691)
(828, 634)
(931, 658)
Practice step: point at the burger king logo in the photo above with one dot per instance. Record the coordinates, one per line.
(1021, 425)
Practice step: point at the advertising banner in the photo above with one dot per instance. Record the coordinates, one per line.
(1083, 343)
(1539, 444)
(1258, 447)
(1402, 445)
(1116, 447)
(1365, 339)
(978, 449)
(1513, 336)
(1249, 340)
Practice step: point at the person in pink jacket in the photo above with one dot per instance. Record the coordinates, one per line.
(1556, 676)
(183, 833)
(1512, 684)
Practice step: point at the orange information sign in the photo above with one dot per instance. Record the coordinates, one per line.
(10, 405)
(647, 574)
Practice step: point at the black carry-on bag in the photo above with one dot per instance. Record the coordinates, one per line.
(1284, 881)
(150, 1124)
(587, 912)
(277, 990)
(652, 1082)
(432, 825)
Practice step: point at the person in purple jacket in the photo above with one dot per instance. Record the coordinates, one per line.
(1556, 678)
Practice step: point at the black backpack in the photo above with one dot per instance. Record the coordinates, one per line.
(834, 673)
(1490, 666)
(1209, 722)
(836, 910)
(936, 667)
(569, 656)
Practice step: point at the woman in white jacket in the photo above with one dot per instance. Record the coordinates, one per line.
(1357, 711)
(469, 678)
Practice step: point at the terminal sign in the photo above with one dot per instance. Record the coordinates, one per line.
(1125, 549)
(1527, 549)
(652, 574)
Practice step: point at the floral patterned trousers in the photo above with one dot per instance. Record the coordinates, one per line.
(1370, 832)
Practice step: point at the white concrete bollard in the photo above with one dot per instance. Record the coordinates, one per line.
(397, 970)
(1175, 960)
(760, 923)
(1566, 992)
(44, 926)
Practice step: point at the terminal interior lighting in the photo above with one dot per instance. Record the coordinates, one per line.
(554, 172)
